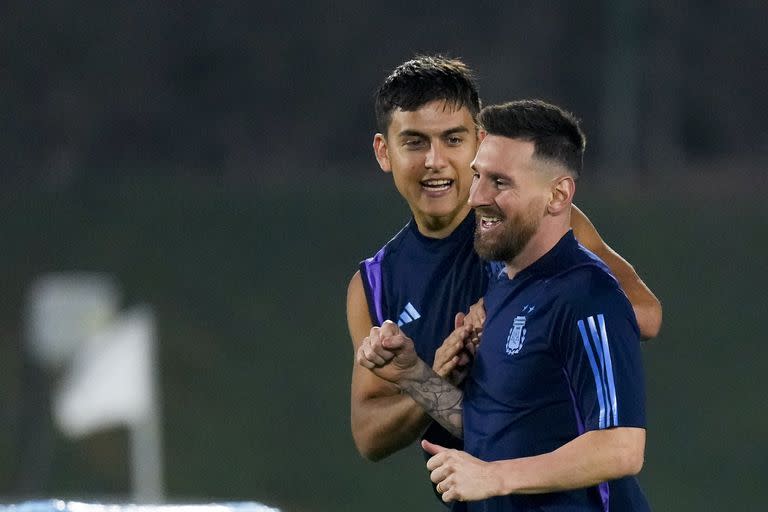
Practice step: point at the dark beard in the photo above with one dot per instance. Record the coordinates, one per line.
(510, 242)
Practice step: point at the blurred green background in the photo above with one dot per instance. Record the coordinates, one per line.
(249, 289)
(216, 160)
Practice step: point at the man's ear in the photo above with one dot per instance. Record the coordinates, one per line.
(380, 151)
(563, 189)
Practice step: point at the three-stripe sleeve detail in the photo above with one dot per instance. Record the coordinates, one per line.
(599, 354)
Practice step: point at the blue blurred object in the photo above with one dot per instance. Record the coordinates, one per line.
(77, 506)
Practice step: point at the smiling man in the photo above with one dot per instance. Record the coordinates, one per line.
(552, 414)
(427, 138)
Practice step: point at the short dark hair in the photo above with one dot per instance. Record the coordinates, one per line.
(555, 133)
(423, 79)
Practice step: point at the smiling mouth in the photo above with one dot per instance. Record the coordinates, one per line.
(437, 185)
(487, 222)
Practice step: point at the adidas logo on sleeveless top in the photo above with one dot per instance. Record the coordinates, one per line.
(408, 315)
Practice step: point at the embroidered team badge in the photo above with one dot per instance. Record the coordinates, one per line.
(516, 336)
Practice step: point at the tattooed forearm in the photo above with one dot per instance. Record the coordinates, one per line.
(438, 397)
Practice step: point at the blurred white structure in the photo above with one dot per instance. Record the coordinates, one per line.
(110, 383)
(63, 309)
(108, 363)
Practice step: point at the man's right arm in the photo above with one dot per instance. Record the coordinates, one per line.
(383, 420)
(391, 355)
(646, 306)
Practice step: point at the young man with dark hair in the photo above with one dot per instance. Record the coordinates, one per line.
(552, 413)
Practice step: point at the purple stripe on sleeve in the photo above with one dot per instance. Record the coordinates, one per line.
(576, 412)
(373, 277)
(605, 495)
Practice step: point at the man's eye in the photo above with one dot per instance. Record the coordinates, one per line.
(455, 141)
(414, 143)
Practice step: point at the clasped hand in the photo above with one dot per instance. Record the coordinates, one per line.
(388, 344)
(388, 353)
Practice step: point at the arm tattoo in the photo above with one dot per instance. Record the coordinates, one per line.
(439, 398)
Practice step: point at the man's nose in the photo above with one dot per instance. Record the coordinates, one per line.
(435, 157)
(477, 193)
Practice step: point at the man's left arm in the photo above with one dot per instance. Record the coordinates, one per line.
(594, 457)
(645, 304)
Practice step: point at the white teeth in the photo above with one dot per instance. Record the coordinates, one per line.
(490, 219)
(436, 183)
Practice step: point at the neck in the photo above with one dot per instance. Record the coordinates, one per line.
(551, 230)
(441, 227)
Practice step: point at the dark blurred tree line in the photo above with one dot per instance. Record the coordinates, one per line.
(248, 90)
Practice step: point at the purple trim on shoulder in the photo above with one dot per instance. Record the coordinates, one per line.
(605, 495)
(372, 267)
(605, 491)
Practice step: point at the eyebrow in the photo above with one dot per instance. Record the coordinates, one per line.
(445, 133)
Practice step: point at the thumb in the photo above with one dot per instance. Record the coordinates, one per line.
(431, 448)
(389, 328)
(458, 320)
(394, 342)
